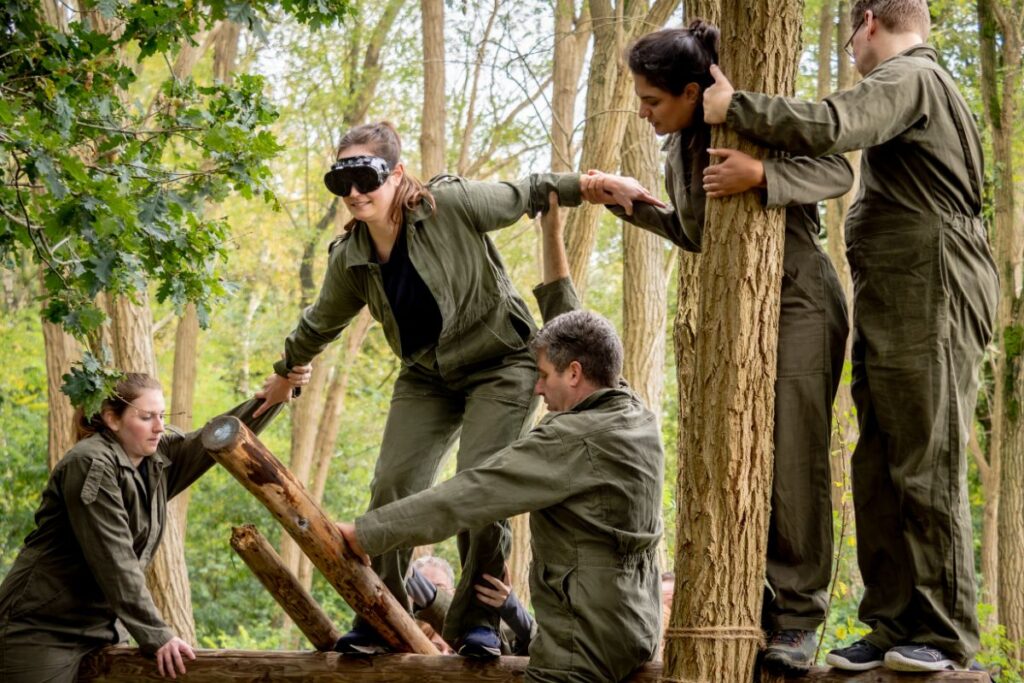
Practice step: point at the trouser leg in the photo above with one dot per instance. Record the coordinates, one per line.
(812, 340)
(39, 657)
(922, 350)
(499, 408)
(423, 423)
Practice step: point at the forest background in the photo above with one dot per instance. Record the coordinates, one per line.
(200, 135)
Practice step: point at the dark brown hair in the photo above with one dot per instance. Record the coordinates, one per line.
(672, 58)
(129, 388)
(898, 16)
(383, 141)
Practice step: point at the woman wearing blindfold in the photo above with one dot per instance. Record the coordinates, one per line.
(419, 257)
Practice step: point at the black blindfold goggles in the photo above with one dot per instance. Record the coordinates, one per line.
(365, 173)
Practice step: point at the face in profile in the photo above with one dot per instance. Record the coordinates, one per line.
(556, 387)
(668, 113)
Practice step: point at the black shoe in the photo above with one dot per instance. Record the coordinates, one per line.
(361, 640)
(790, 651)
(860, 656)
(480, 642)
(916, 657)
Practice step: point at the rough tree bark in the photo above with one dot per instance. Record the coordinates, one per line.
(725, 472)
(61, 351)
(432, 123)
(266, 564)
(1001, 29)
(236, 448)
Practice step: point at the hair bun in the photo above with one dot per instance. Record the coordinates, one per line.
(707, 35)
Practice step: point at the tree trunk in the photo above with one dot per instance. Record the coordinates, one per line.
(266, 564)
(432, 124)
(236, 448)
(571, 38)
(61, 351)
(644, 278)
(725, 472)
(1000, 27)
(520, 558)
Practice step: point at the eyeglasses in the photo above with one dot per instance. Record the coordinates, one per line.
(846, 48)
(365, 173)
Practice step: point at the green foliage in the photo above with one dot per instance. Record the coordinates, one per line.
(89, 382)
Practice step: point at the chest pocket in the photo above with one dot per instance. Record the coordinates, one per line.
(91, 487)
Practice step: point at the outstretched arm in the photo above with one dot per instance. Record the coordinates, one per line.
(557, 295)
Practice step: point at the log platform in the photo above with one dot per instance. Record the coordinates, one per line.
(126, 665)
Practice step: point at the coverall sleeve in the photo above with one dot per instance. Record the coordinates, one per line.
(556, 298)
(322, 322)
(191, 461)
(532, 473)
(519, 621)
(663, 222)
(794, 181)
(492, 206)
(99, 521)
(880, 107)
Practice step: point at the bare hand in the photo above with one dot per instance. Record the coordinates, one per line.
(717, 97)
(604, 188)
(737, 172)
(299, 375)
(276, 389)
(348, 530)
(494, 595)
(169, 658)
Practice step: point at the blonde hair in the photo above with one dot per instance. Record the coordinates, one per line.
(383, 140)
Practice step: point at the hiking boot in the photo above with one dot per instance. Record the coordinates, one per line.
(361, 640)
(480, 642)
(790, 651)
(916, 657)
(860, 656)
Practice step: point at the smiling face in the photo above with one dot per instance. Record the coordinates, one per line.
(668, 113)
(140, 427)
(373, 208)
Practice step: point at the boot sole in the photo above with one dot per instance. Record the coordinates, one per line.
(897, 662)
(838, 662)
(778, 663)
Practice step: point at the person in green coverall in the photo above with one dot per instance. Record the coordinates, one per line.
(79, 581)
(419, 257)
(590, 475)
(925, 297)
(670, 70)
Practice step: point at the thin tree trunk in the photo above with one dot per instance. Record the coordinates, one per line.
(520, 558)
(432, 124)
(725, 475)
(61, 351)
(644, 278)
(1000, 28)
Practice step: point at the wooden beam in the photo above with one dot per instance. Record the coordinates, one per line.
(296, 601)
(126, 665)
(239, 451)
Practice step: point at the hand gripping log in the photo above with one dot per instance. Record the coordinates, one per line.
(239, 451)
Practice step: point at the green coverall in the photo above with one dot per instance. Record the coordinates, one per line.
(812, 343)
(79, 580)
(925, 293)
(591, 479)
(476, 384)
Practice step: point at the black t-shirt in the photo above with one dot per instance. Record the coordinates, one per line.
(414, 307)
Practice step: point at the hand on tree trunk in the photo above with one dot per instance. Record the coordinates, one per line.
(348, 530)
(736, 173)
(170, 657)
(717, 97)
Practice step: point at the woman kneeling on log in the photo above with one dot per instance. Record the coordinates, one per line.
(79, 581)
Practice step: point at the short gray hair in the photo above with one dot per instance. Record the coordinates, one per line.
(584, 337)
(437, 563)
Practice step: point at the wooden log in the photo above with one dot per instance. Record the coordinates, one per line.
(126, 665)
(239, 451)
(296, 601)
